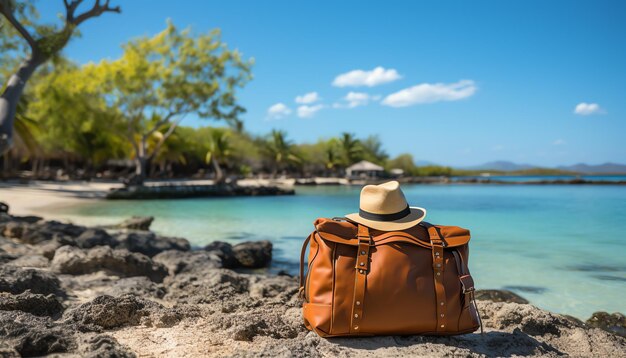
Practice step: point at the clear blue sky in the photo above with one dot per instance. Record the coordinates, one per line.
(483, 80)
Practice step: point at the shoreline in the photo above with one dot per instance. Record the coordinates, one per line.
(127, 291)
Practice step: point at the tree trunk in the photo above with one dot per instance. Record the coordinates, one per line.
(219, 174)
(141, 169)
(9, 99)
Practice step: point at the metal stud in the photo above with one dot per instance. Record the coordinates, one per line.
(436, 254)
(442, 315)
(356, 327)
(442, 303)
(442, 326)
(356, 315)
(362, 252)
(358, 303)
(438, 265)
(360, 271)
(362, 263)
(438, 273)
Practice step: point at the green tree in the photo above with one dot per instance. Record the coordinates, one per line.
(373, 150)
(351, 148)
(405, 162)
(42, 42)
(219, 151)
(280, 151)
(159, 80)
(74, 119)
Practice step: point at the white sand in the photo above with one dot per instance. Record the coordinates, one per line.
(42, 198)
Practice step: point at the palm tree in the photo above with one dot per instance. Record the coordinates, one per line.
(219, 150)
(373, 150)
(351, 148)
(332, 156)
(280, 151)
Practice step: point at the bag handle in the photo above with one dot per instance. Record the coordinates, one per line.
(302, 254)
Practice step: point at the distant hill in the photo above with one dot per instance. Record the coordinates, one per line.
(501, 165)
(606, 168)
(581, 168)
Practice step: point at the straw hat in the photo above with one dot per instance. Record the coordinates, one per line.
(384, 207)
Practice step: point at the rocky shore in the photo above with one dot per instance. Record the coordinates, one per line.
(124, 291)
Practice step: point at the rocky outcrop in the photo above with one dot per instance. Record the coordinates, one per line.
(108, 312)
(150, 244)
(178, 262)
(76, 261)
(499, 296)
(16, 280)
(137, 223)
(253, 254)
(194, 191)
(95, 237)
(224, 251)
(27, 335)
(614, 323)
(36, 304)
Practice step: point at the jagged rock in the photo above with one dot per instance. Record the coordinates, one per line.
(137, 223)
(37, 304)
(527, 318)
(186, 261)
(36, 261)
(207, 286)
(31, 335)
(273, 286)
(108, 312)
(224, 251)
(499, 296)
(13, 230)
(614, 323)
(12, 248)
(16, 280)
(148, 243)
(30, 232)
(105, 346)
(76, 261)
(48, 248)
(139, 286)
(247, 326)
(95, 237)
(253, 254)
(6, 257)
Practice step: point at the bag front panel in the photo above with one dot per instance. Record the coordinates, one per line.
(399, 291)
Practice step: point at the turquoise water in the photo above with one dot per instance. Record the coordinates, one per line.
(561, 247)
(536, 178)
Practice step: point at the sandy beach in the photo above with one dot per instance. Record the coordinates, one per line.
(41, 198)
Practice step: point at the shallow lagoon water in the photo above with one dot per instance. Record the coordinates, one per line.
(563, 247)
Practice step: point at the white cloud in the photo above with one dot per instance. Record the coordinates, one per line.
(431, 92)
(308, 98)
(559, 142)
(306, 111)
(585, 109)
(355, 99)
(277, 111)
(375, 77)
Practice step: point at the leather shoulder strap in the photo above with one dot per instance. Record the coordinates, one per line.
(302, 258)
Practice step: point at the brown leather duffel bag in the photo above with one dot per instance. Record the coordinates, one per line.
(362, 281)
